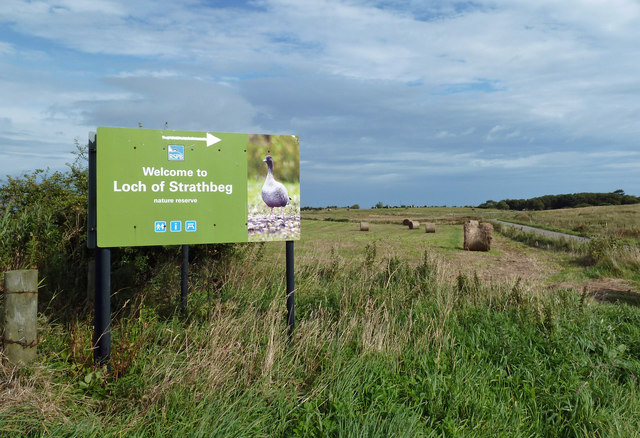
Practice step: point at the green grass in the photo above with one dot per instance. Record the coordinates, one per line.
(386, 344)
(392, 240)
(386, 349)
(547, 227)
(396, 215)
(541, 241)
(621, 221)
(602, 257)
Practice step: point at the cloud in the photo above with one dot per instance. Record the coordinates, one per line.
(152, 99)
(381, 91)
(494, 132)
(6, 48)
(624, 166)
(444, 134)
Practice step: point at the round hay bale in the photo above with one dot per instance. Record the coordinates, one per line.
(477, 237)
(429, 227)
(414, 225)
(487, 230)
(364, 226)
(406, 222)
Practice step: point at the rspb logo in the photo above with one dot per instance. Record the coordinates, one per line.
(176, 152)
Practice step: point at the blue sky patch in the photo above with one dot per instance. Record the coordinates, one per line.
(481, 86)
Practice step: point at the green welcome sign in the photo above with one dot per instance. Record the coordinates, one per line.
(161, 187)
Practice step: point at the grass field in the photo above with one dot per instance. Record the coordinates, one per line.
(399, 333)
(619, 221)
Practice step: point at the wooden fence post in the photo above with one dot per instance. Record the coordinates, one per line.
(20, 336)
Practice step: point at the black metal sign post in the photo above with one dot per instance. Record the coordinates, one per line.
(291, 311)
(102, 308)
(184, 279)
(102, 294)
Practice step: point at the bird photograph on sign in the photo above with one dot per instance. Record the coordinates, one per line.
(273, 186)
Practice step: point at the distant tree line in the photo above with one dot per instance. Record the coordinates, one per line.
(380, 204)
(308, 208)
(552, 202)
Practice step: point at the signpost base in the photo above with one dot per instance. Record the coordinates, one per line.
(291, 315)
(184, 279)
(102, 308)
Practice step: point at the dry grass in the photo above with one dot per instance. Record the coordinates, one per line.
(37, 395)
(233, 370)
(608, 221)
(617, 221)
(383, 327)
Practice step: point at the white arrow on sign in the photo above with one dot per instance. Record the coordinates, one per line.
(210, 139)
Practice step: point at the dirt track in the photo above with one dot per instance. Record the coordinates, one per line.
(509, 262)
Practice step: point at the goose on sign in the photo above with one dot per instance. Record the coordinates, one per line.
(274, 193)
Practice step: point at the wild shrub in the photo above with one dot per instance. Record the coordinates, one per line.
(23, 234)
(43, 225)
(602, 249)
(612, 256)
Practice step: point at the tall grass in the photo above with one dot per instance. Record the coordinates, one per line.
(611, 256)
(603, 256)
(540, 241)
(619, 221)
(382, 348)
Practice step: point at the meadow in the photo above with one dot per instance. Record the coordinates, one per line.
(399, 333)
(621, 221)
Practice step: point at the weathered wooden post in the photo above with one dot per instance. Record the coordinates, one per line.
(20, 336)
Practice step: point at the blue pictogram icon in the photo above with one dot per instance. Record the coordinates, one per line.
(176, 152)
(161, 226)
(176, 226)
(190, 226)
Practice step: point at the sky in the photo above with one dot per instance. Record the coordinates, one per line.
(395, 101)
